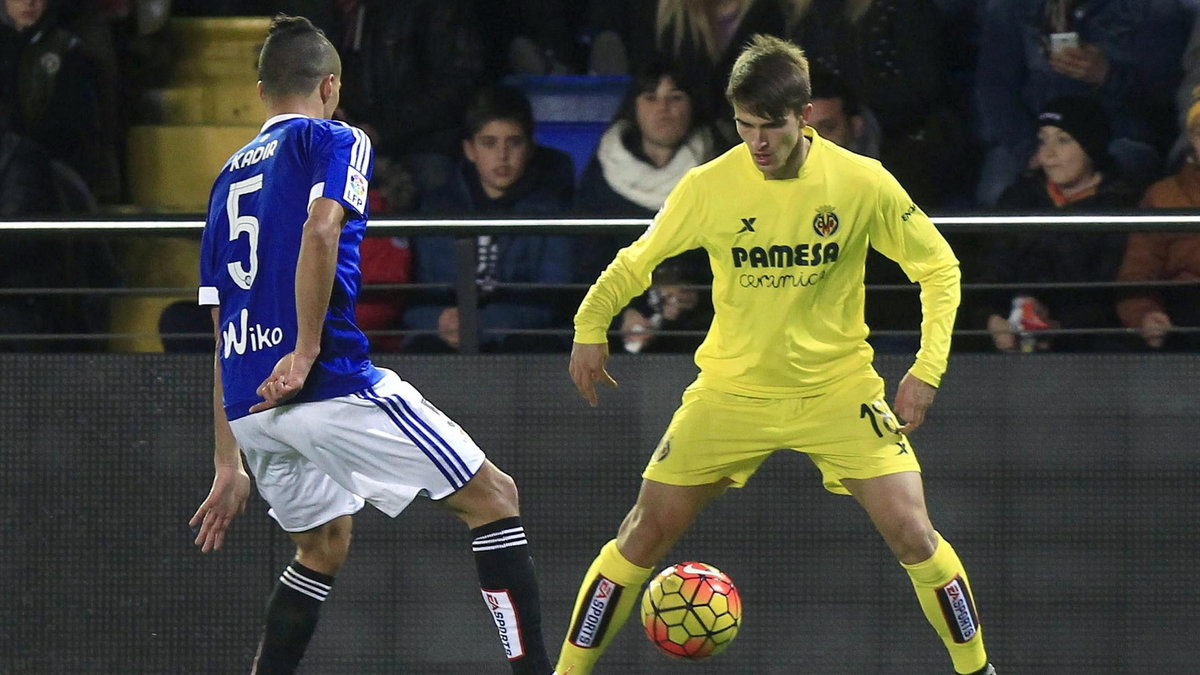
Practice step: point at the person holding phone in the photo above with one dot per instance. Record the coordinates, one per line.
(1083, 62)
(1124, 53)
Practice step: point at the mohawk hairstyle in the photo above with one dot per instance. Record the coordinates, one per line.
(295, 57)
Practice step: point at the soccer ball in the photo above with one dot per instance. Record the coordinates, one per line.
(691, 611)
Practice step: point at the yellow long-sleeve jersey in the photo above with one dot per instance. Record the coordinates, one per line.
(788, 259)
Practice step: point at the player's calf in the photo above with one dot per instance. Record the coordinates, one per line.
(292, 614)
(488, 504)
(295, 604)
(944, 592)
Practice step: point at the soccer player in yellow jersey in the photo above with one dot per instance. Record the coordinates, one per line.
(786, 218)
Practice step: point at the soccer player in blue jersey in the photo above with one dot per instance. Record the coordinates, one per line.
(321, 428)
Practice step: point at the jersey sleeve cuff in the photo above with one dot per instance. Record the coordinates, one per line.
(209, 296)
(926, 373)
(591, 336)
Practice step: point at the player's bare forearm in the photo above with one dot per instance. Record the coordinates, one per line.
(231, 485)
(315, 269)
(225, 452)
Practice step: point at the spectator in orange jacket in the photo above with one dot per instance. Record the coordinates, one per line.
(1167, 256)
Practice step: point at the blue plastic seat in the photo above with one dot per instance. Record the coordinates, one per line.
(572, 111)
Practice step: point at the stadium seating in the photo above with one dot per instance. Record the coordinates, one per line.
(209, 109)
(572, 111)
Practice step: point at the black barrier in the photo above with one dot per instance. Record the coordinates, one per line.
(1067, 484)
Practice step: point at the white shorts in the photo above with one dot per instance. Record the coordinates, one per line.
(316, 461)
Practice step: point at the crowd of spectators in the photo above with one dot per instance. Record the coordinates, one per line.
(1018, 106)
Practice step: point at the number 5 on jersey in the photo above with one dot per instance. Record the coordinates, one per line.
(238, 224)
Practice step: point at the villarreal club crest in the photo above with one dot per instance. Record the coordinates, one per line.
(825, 223)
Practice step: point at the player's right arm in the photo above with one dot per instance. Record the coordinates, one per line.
(675, 229)
(315, 270)
(231, 485)
(587, 368)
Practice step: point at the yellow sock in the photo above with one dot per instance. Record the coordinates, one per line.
(610, 589)
(945, 594)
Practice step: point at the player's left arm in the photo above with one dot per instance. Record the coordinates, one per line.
(231, 485)
(905, 234)
(315, 271)
(913, 398)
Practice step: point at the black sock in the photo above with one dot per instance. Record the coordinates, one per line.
(291, 619)
(510, 590)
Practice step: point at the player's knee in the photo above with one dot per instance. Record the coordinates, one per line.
(490, 495)
(507, 499)
(913, 540)
(326, 548)
(652, 528)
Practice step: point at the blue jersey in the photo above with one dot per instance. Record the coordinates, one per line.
(251, 243)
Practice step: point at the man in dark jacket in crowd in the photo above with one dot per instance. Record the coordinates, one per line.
(32, 185)
(54, 94)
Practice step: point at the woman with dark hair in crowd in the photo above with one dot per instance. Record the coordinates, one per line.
(660, 132)
(702, 36)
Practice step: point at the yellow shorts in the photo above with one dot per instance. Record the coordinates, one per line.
(848, 432)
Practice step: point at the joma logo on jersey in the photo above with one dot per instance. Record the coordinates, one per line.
(253, 156)
(800, 255)
(251, 338)
(825, 223)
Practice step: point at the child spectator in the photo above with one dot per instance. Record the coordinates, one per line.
(1074, 174)
(503, 173)
(703, 36)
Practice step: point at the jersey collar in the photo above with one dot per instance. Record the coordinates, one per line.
(279, 118)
